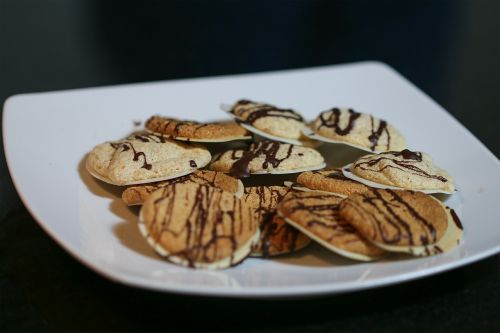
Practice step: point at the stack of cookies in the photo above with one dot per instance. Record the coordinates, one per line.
(189, 179)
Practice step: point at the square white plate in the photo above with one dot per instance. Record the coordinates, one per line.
(47, 136)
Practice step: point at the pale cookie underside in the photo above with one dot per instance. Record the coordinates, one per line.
(238, 256)
(106, 179)
(346, 171)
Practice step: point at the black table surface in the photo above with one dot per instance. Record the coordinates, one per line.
(449, 49)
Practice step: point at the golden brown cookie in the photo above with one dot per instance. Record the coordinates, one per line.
(317, 215)
(330, 180)
(401, 170)
(276, 237)
(144, 158)
(136, 195)
(399, 221)
(198, 226)
(269, 121)
(268, 157)
(194, 131)
(361, 130)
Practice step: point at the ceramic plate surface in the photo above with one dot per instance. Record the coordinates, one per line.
(47, 136)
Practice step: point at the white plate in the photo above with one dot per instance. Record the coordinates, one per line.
(47, 135)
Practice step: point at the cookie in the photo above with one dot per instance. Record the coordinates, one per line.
(276, 237)
(401, 170)
(331, 180)
(316, 214)
(198, 226)
(268, 157)
(194, 131)
(136, 195)
(269, 121)
(402, 221)
(360, 130)
(144, 158)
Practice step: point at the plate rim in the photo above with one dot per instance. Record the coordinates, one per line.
(127, 279)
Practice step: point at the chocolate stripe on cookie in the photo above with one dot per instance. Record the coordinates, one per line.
(127, 145)
(395, 217)
(276, 237)
(136, 195)
(249, 112)
(202, 223)
(267, 148)
(317, 215)
(406, 165)
(361, 130)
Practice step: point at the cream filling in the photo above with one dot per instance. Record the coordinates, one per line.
(237, 256)
(350, 175)
(240, 190)
(342, 252)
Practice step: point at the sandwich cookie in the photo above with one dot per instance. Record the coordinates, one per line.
(268, 157)
(316, 214)
(269, 121)
(198, 226)
(403, 221)
(197, 132)
(356, 129)
(136, 195)
(144, 158)
(328, 180)
(404, 169)
(276, 237)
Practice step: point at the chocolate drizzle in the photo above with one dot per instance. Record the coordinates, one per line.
(206, 228)
(405, 165)
(375, 134)
(456, 220)
(129, 145)
(275, 235)
(174, 127)
(409, 155)
(387, 218)
(211, 178)
(269, 149)
(249, 112)
(323, 210)
(331, 119)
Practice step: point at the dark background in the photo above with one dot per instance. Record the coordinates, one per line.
(449, 49)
